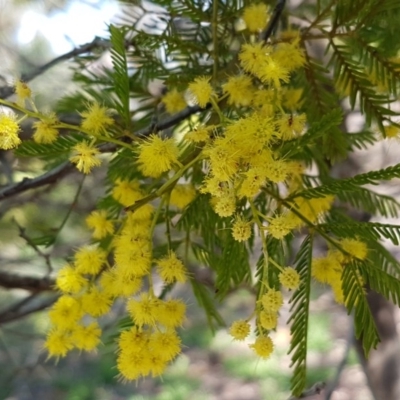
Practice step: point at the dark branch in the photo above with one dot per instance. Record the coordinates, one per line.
(28, 305)
(51, 176)
(31, 283)
(170, 121)
(273, 22)
(7, 91)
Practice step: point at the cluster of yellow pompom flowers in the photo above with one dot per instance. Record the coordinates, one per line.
(240, 157)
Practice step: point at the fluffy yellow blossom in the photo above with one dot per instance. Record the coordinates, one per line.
(291, 126)
(268, 319)
(272, 73)
(241, 229)
(326, 269)
(290, 54)
(96, 119)
(86, 158)
(99, 222)
(65, 312)
(86, 338)
(174, 101)
(252, 55)
(182, 195)
(225, 206)
(289, 278)
(240, 90)
(392, 131)
(166, 344)
(171, 313)
(45, 131)
(355, 247)
(69, 280)
(255, 17)
(9, 129)
(145, 310)
(281, 225)
(201, 90)
(157, 156)
(292, 98)
(89, 260)
(127, 192)
(132, 255)
(171, 269)
(263, 347)
(272, 300)
(115, 284)
(95, 302)
(23, 92)
(240, 329)
(200, 134)
(58, 343)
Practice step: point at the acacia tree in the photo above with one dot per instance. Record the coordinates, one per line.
(234, 158)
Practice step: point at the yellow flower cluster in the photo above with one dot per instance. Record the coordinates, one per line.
(90, 284)
(329, 269)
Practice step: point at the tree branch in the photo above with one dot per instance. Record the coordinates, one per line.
(19, 310)
(273, 22)
(30, 283)
(7, 91)
(49, 177)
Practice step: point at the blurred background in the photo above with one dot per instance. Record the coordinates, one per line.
(212, 366)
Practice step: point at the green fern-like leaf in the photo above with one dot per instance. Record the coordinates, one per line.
(205, 301)
(59, 149)
(120, 73)
(299, 317)
(354, 298)
(382, 282)
(368, 230)
(337, 186)
(233, 266)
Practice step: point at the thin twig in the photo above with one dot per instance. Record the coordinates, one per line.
(315, 389)
(7, 91)
(31, 243)
(273, 22)
(12, 315)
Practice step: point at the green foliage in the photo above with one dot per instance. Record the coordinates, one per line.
(250, 166)
(299, 316)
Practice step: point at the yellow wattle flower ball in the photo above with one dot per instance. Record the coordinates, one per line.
(289, 278)
(240, 329)
(96, 119)
(157, 156)
(355, 247)
(268, 319)
(201, 90)
(171, 269)
(263, 346)
(9, 129)
(255, 17)
(272, 300)
(86, 157)
(174, 101)
(241, 229)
